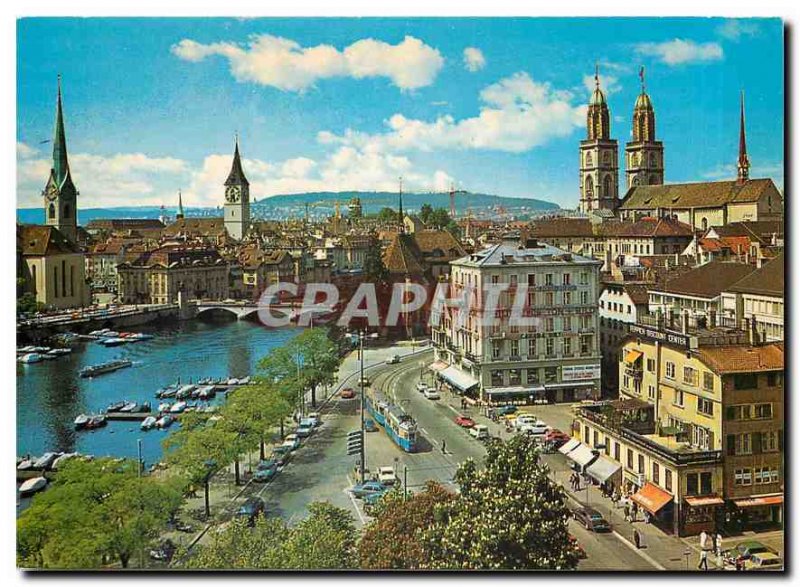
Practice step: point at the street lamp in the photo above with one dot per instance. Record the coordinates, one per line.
(210, 465)
(362, 334)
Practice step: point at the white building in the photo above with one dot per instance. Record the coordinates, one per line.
(759, 297)
(540, 340)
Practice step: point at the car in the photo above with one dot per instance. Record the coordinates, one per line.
(361, 490)
(164, 551)
(314, 419)
(750, 547)
(370, 426)
(304, 431)
(372, 499)
(479, 432)
(556, 436)
(347, 393)
(292, 441)
(763, 561)
(364, 381)
(393, 360)
(538, 429)
(421, 386)
(251, 509)
(281, 455)
(387, 476)
(505, 410)
(591, 519)
(523, 419)
(265, 470)
(431, 394)
(464, 421)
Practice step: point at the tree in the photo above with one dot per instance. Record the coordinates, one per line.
(374, 268)
(319, 359)
(387, 215)
(326, 539)
(27, 304)
(94, 511)
(425, 213)
(393, 539)
(509, 515)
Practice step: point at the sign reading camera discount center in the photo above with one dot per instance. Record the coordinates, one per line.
(580, 372)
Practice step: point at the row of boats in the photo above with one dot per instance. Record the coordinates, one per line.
(37, 354)
(107, 367)
(111, 338)
(49, 461)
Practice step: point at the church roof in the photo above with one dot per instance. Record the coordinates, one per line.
(39, 241)
(401, 256)
(708, 194)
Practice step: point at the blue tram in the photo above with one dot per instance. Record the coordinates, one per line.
(399, 426)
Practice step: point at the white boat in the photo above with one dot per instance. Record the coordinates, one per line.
(148, 423)
(164, 406)
(185, 391)
(129, 407)
(81, 421)
(46, 460)
(59, 352)
(63, 459)
(177, 407)
(30, 358)
(48, 357)
(31, 486)
(26, 464)
(165, 421)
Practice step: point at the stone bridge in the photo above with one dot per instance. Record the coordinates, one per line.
(248, 309)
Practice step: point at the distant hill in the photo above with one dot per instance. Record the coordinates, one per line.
(288, 205)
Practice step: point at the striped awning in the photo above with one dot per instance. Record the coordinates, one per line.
(570, 445)
(707, 500)
(751, 502)
(582, 455)
(458, 378)
(603, 469)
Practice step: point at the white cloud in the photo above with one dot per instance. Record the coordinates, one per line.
(25, 151)
(735, 29)
(608, 83)
(282, 63)
(518, 114)
(728, 171)
(474, 59)
(681, 51)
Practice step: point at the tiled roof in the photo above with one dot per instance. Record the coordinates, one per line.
(561, 227)
(39, 241)
(170, 255)
(430, 242)
(507, 253)
(707, 281)
(637, 292)
(646, 227)
(767, 281)
(761, 230)
(738, 245)
(401, 256)
(743, 358)
(200, 226)
(124, 223)
(696, 195)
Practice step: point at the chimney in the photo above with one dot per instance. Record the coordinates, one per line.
(685, 322)
(712, 319)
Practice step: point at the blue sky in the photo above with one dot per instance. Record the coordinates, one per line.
(494, 105)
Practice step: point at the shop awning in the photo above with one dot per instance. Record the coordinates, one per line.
(696, 502)
(582, 455)
(514, 390)
(652, 498)
(632, 356)
(751, 502)
(457, 377)
(437, 366)
(568, 446)
(603, 469)
(568, 384)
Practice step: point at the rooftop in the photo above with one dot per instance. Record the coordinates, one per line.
(767, 281)
(743, 358)
(512, 253)
(697, 195)
(707, 281)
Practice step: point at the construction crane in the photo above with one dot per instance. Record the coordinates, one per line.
(453, 192)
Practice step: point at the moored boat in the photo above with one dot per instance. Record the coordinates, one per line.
(81, 421)
(164, 406)
(102, 368)
(185, 391)
(165, 421)
(46, 460)
(115, 407)
(177, 407)
(31, 358)
(63, 459)
(148, 423)
(129, 407)
(96, 422)
(31, 486)
(113, 341)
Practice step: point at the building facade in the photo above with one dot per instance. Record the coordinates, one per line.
(758, 297)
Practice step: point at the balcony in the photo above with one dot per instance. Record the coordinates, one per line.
(635, 372)
(472, 357)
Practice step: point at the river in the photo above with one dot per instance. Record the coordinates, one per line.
(50, 394)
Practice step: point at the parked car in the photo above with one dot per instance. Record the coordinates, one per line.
(370, 426)
(164, 551)
(251, 509)
(393, 360)
(421, 386)
(464, 421)
(523, 419)
(265, 471)
(387, 476)
(347, 393)
(372, 499)
(314, 419)
(591, 519)
(281, 455)
(537, 429)
(763, 561)
(556, 437)
(292, 441)
(750, 547)
(505, 410)
(431, 394)
(305, 429)
(479, 431)
(361, 490)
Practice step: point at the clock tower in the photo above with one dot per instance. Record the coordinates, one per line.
(237, 198)
(60, 194)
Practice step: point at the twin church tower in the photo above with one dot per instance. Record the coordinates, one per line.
(599, 165)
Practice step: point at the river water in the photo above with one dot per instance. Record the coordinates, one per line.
(50, 394)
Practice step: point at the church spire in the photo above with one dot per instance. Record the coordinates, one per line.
(597, 117)
(236, 176)
(400, 214)
(743, 164)
(60, 162)
(179, 215)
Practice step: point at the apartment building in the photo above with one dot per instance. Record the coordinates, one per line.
(759, 298)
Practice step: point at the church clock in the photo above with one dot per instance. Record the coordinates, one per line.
(233, 193)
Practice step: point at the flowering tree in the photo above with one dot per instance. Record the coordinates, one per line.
(509, 515)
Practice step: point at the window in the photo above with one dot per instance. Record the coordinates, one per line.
(514, 348)
(745, 380)
(533, 375)
(549, 346)
(513, 280)
(655, 473)
(567, 297)
(651, 365)
(549, 299)
(550, 374)
(584, 278)
(497, 378)
(690, 376)
(567, 278)
(630, 459)
(51, 212)
(514, 377)
(595, 438)
(567, 347)
(651, 391)
(584, 297)
(566, 322)
(763, 411)
(495, 349)
(586, 434)
(706, 486)
(678, 399)
(640, 469)
(691, 484)
(708, 381)
(705, 406)
(742, 477)
(744, 444)
(548, 279)
(769, 441)
(531, 279)
(670, 370)
(549, 324)
(616, 451)
(495, 279)
(667, 479)
(531, 347)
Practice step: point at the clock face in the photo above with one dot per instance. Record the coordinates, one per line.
(52, 192)
(232, 194)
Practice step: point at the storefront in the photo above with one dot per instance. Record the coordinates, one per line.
(573, 391)
(458, 380)
(580, 454)
(606, 471)
(517, 395)
(700, 513)
(658, 503)
(760, 510)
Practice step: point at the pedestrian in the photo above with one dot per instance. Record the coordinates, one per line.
(444, 446)
(739, 563)
(703, 560)
(634, 512)
(637, 539)
(703, 540)
(646, 517)
(627, 513)
(719, 545)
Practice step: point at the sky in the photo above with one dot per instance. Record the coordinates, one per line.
(490, 105)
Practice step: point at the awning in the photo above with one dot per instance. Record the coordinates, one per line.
(457, 377)
(515, 390)
(437, 366)
(704, 501)
(582, 455)
(759, 501)
(652, 498)
(603, 469)
(570, 445)
(568, 384)
(632, 356)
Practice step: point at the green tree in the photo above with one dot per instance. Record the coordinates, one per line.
(94, 512)
(237, 546)
(374, 268)
(392, 540)
(387, 215)
(509, 515)
(326, 539)
(425, 213)
(27, 304)
(319, 359)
